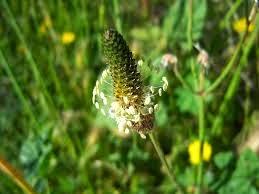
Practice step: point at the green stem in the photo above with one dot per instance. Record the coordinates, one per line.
(33, 65)
(216, 126)
(229, 66)
(16, 177)
(181, 79)
(17, 88)
(116, 8)
(165, 163)
(201, 112)
(189, 27)
(58, 56)
(234, 58)
(230, 13)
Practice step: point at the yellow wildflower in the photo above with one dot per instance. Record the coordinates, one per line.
(240, 26)
(68, 37)
(45, 25)
(194, 152)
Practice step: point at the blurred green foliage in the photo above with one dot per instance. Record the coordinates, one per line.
(50, 130)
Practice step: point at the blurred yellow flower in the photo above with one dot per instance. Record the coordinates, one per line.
(68, 37)
(194, 152)
(45, 25)
(240, 26)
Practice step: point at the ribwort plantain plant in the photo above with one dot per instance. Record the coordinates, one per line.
(131, 103)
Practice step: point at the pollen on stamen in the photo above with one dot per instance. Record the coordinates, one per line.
(129, 124)
(97, 105)
(93, 98)
(165, 85)
(131, 110)
(152, 89)
(142, 136)
(137, 118)
(156, 107)
(140, 62)
(126, 100)
(126, 131)
(150, 110)
(122, 124)
(160, 91)
(147, 100)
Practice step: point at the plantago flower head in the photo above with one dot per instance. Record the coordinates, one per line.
(130, 103)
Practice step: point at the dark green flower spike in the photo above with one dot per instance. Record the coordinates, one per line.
(123, 68)
(131, 104)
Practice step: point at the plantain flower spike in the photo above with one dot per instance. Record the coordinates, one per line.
(129, 102)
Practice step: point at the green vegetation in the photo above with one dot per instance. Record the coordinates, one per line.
(55, 141)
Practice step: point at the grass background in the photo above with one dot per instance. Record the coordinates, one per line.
(50, 130)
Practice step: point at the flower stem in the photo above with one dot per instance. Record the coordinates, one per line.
(189, 27)
(116, 7)
(201, 139)
(170, 174)
(201, 131)
(16, 177)
(232, 86)
(235, 58)
(181, 79)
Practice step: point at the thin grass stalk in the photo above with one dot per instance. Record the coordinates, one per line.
(190, 41)
(201, 120)
(235, 58)
(165, 164)
(37, 75)
(16, 177)
(189, 25)
(233, 85)
(17, 88)
(58, 48)
(230, 13)
(116, 8)
(181, 79)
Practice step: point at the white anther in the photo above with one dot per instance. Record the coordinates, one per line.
(129, 124)
(137, 118)
(115, 106)
(94, 91)
(165, 80)
(122, 124)
(97, 105)
(147, 100)
(165, 85)
(103, 112)
(152, 89)
(160, 92)
(93, 98)
(156, 107)
(150, 110)
(102, 95)
(142, 136)
(104, 74)
(125, 99)
(126, 131)
(111, 113)
(131, 110)
(104, 100)
(140, 62)
(97, 85)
